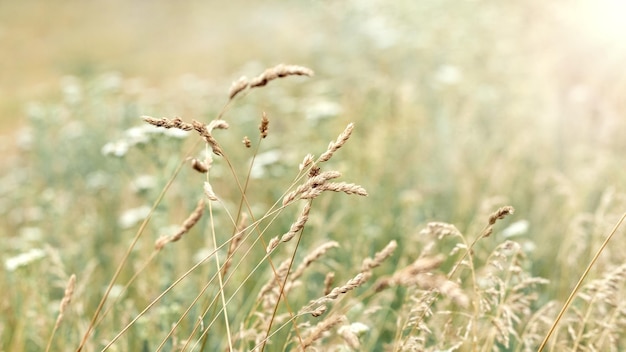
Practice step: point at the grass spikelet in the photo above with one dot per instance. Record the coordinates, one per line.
(306, 162)
(238, 86)
(192, 220)
(319, 329)
(298, 225)
(270, 291)
(311, 183)
(371, 263)
(329, 279)
(263, 127)
(205, 133)
(311, 257)
(176, 122)
(279, 71)
(347, 188)
(246, 142)
(200, 166)
(217, 124)
(65, 302)
(208, 192)
(495, 216)
(235, 241)
(353, 283)
(334, 146)
(410, 275)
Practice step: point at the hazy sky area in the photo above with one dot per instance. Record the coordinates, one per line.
(159, 41)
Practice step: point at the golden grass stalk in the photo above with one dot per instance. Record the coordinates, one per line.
(579, 283)
(193, 219)
(65, 302)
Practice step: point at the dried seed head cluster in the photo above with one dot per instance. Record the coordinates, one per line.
(497, 215)
(201, 128)
(268, 75)
(318, 184)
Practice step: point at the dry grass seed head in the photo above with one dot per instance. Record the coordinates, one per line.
(328, 282)
(263, 127)
(308, 160)
(217, 124)
(246, 141)
(311, 257)
(500, 214)
(193, 219)
(311, 183)
(67, 298)
(440, 230)
(200, 166)
(280, 71)
(371, 263)
(176, 122)
(320, 329)
(238, 86)
(205, 133)
(235, 241)
(334, 146)
(299, 224)
(208, 192)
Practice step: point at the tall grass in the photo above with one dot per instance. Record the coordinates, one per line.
(184, 235)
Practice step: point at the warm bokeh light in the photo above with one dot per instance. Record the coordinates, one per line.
(604, 21)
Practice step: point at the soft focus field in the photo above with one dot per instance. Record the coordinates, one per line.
(460, 108)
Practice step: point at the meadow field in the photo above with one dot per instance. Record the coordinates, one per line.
(312, 175)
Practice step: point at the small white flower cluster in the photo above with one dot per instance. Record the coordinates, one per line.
(138, 136)
(133, 216)
(23, 259)
(263, 161)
